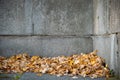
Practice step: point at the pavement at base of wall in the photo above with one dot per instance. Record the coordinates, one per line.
(33, 76)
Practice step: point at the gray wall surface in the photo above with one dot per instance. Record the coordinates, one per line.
(44, 27)
(15, 17)
(63, 17)
(35, 20)
(46, 17)
(106, 32)
(61, 27)
(45, 46)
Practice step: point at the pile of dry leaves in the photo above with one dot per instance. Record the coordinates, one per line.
(78, 64)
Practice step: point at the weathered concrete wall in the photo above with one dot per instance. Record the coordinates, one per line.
(26, 24)
(114, 16)
(45, 46)
(15, 17)
(56, 27)
(101, 15)
(46, 28)
(106, 16)
(46, 17)
(63, 17)
(115, 28)
(107, 48)
(106, 30)
(118, 55)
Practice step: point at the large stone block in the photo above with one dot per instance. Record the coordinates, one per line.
(107, 48)
(45, 46)
(114, 16)
(101, 16)
(106, 16)
(15, 17)
(118, 55)
(63, 17)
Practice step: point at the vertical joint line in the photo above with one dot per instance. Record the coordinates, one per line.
(32, 28)
(32, 18)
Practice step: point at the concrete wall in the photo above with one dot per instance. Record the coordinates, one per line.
(46, 27)
(106, 44)
(15, 17)
(57, 27)
(46, 17)
(63, 17)
(106, 31)
(44, 46)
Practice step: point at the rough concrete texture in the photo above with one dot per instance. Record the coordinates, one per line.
(106, 16)
(63, 17)
(118, 55)
(46, 17)
(114, 16)
(32, 76)
(106, 22)
(46, 46)
(15, 17)
(107, 48)
(101, 22)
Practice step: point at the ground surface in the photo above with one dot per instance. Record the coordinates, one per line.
(32, 76)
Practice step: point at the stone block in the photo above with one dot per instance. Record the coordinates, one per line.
(107, 49)
(114, 16)
(45, 46)
(118, 55)
(15, 17)
(63, 17)
(106, 16)
(101, 16)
